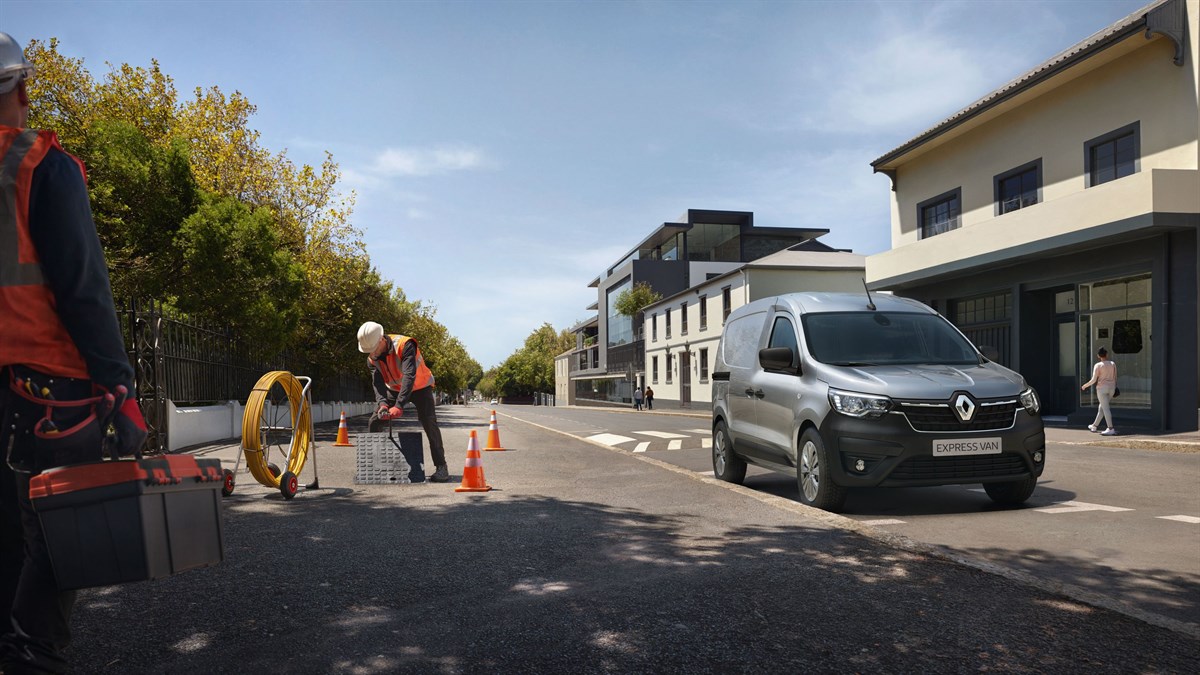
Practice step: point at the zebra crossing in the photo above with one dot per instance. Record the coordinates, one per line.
(684, 439)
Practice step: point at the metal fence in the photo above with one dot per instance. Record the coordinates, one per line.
(191, 362)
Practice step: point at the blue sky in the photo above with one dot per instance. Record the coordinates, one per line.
(503, 154)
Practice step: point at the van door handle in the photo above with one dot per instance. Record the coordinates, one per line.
(755, 393)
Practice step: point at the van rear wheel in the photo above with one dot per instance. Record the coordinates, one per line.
(726, 465)
(817, 488)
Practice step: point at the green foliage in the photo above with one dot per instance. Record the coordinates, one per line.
(631, 301)
(233, 270)
(530, 369)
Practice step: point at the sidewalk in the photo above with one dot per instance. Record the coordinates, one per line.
(1130, 437)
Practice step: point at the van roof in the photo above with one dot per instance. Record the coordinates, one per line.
(811, 303)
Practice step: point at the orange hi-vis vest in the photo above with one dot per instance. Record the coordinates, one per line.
(390, 366)
(33, 334)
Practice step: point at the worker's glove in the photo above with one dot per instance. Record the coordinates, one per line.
(130, 427)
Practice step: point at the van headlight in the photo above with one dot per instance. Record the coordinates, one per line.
(1029, 399)
(859, 405)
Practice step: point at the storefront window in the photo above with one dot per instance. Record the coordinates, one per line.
(1116, 314)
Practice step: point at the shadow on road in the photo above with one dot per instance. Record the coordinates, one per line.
(353, 583)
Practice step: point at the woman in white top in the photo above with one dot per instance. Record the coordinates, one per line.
(1104, 376)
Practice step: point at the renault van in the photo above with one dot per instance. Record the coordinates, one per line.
(849, 390)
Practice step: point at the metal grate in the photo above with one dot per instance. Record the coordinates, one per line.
(941, 417)
(379, 462)
(960, 468)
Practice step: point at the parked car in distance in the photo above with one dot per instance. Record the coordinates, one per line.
(494, 401)
(849, 390)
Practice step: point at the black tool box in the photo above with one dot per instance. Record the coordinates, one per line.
(121, 521)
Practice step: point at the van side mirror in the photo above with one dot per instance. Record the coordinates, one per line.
(779, 359)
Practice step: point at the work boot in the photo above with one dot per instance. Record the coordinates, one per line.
(442, 475)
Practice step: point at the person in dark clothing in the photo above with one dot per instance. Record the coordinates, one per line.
(399, 375)
(649, 398)
(60, 341)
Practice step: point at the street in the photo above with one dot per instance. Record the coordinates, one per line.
(1119, 522)
(581, 559)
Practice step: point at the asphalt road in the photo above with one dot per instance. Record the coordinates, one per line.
(581, 559)
(1117, 522)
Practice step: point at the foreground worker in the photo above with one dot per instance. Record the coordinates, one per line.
(399, 375)
(60, 341)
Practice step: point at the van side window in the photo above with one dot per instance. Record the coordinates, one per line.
(784, 335)
(741, 340)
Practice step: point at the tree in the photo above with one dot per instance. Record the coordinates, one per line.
(633, 300)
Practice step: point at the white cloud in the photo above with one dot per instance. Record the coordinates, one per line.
(428, 161)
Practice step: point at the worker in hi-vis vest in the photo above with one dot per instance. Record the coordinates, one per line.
(64, 373)
(399, 375)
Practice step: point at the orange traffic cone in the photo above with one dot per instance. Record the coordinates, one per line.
(494, 435)
(343, 439)
(473, 471)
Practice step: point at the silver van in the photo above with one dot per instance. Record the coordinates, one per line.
(850, 390)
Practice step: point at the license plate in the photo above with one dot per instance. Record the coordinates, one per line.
(969, 446)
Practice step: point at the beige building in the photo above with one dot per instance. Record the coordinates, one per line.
(1060, 213)
(682, 331)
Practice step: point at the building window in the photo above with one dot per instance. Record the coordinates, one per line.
(620, 327)
(726, 301)
(683, 318)
(704, 365)
(670, 360)
(1113, 155)
(940, 214)
(1018, 188)
(654, 370)
(654, 327)
(668, 315)
(703, 312)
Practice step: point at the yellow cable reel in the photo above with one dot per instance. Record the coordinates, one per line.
(267, 425)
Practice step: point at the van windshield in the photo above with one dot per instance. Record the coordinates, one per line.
(885, 338)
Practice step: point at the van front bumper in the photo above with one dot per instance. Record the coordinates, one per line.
(887, 452)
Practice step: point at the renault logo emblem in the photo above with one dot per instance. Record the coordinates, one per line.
(964, 407)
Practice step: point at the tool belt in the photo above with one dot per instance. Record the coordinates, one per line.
(56, 421)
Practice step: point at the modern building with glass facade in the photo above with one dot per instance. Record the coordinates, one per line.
(609, 358)
(1060, 214)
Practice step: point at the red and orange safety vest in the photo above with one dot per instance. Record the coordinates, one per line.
(33, 334)
(389, 366)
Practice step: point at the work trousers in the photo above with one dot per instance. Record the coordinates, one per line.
(34, 615)
(423, 401)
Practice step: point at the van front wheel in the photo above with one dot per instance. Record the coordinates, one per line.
(726, 465)
(817, 488)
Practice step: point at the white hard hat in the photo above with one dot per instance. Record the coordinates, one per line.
(368, 336)
(13, 65)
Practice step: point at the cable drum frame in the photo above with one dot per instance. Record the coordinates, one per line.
(262, 428)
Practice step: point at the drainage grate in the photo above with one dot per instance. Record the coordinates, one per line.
(379, 462)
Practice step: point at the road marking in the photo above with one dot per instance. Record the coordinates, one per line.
(1079, 507)
(675, 444)
(658, 434)
(641, 447)
(706, 442)
(1183, 519)
(702, 432)
(610, 439)
(884, 521)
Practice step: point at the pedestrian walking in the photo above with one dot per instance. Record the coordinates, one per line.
(1104, 378)
(649, 398)
(60, 341)
(637, 398)
(399, 374)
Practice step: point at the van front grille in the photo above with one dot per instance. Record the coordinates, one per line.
(966, 469)
(940, 417)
